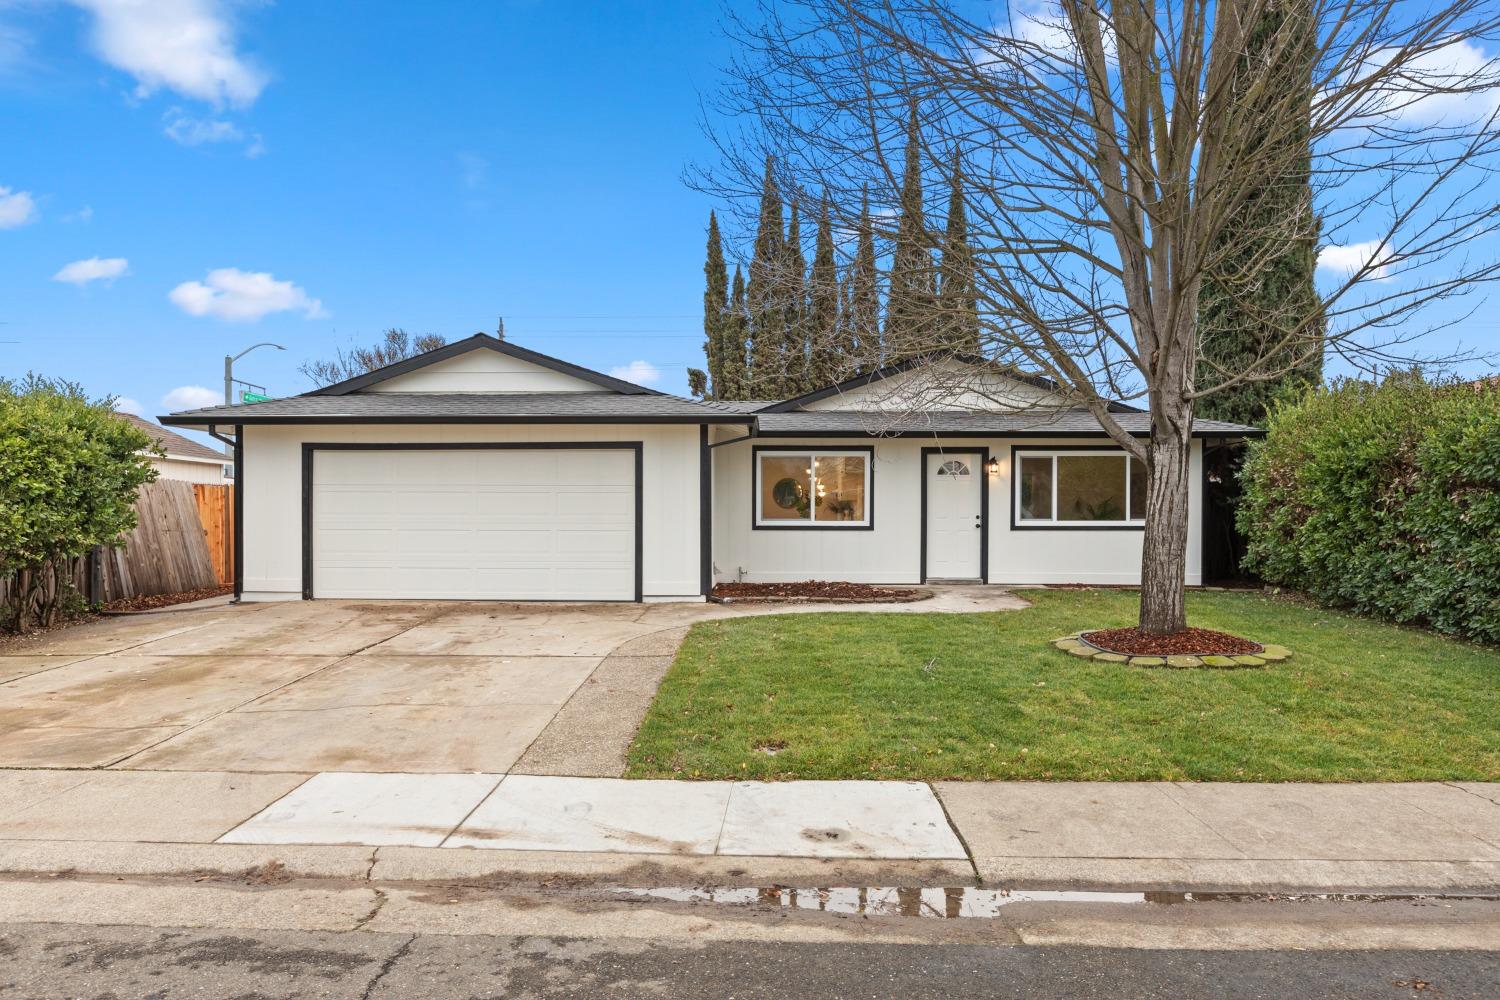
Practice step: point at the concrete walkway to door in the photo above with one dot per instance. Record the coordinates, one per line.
(353, 686)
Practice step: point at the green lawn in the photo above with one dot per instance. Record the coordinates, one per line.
(929, 696)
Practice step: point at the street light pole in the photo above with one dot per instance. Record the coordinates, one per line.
(229, 368)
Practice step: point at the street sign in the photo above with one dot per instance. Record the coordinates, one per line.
(253, 397)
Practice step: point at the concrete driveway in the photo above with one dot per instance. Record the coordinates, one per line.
(354, 686)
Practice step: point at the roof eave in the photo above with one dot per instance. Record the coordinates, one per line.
(227, 420)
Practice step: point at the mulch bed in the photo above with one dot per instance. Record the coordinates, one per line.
(1188, 642)
(166, 600)
(814, 590)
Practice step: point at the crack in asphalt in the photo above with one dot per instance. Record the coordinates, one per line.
(387, 966)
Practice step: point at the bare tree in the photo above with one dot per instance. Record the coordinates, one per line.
(1107, 150)
(395, 345)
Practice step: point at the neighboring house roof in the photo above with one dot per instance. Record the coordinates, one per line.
(463, 407)
(174, 444)
(485, 341)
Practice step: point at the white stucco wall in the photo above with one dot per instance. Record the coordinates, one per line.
(483, 370)
(271, 480)
(891, 551)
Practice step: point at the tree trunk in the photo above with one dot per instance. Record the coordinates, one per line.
(1164, 549)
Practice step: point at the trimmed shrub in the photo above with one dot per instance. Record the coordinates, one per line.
(1383, 498)
(69, 474)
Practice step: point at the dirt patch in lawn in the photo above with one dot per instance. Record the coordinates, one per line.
(818, 590)
(155, 601)
(1188, 642)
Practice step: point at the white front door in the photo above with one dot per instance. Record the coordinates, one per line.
(954, 515)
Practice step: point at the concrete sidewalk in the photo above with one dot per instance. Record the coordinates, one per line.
(1393, 838)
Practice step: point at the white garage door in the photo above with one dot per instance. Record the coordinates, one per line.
(474, 524)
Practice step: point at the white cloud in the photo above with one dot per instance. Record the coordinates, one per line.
(189, 131)
(191, 397)
(1346, 261)
(1044, 26)
(639, 372)
(187, 46)
(84, 214)
(16, 208)
(81, 272)
(231, 294)
(1416, 94)
(124, 404)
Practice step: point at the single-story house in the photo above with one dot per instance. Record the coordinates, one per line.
(483, 470)
(185, 459)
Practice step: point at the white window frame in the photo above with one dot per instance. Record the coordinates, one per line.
(812, 455)
(1021, 521)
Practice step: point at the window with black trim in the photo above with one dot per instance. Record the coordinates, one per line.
(812, 489)
(1079, 488)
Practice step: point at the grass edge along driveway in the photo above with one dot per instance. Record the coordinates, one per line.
(937, 696)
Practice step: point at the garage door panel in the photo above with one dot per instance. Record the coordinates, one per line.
(475, 524)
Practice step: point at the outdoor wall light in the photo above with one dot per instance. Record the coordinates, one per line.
(992, 466)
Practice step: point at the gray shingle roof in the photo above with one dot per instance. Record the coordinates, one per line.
(173, 444)
(1032, 422)
(458, 407)
(608, 407)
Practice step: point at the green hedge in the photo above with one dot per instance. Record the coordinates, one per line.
(1384, 499)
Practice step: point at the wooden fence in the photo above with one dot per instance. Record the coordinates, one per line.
(183, 540)
(216, 513)
(167, 552)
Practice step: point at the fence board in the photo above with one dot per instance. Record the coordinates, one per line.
(216, 512)
(167, 553)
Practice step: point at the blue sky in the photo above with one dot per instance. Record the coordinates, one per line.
(429, 166)
(180, 179)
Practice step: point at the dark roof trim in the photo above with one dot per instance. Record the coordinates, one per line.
(886, 372)
(482, 340)
(1030, 432)
(188, 420)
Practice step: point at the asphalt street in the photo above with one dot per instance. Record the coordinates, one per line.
(46, 961)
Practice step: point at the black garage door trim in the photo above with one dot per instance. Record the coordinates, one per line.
(308, 448)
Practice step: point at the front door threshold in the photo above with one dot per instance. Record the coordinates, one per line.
(948, 581)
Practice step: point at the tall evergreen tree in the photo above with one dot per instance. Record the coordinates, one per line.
(912, 304)
(823, 323)
(764, 292)
(863, 328)
(1249, 302)
(794, 350)
(736, 336)
(715, 311)
(958, 304)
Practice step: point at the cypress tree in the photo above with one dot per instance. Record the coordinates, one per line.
(736, 334)
(823, 356)
(958, 301)
(862, 331)
(794, 351)
(715, 309)
(763, 293)
(912, 303)
(1251, 301)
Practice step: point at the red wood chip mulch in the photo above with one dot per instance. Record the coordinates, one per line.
(166, 600)
(813, 590)
(1188, 642)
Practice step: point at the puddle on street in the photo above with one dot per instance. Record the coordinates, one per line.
(951, 903)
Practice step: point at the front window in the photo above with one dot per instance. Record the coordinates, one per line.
(1079, 488)
(827, 489)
